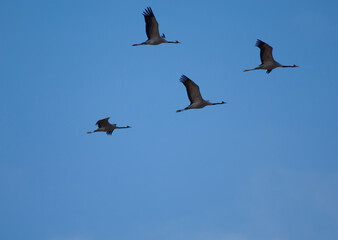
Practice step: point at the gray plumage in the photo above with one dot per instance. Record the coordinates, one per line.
(105, 126)
(152, 31)
(194, 95)
(268, 62)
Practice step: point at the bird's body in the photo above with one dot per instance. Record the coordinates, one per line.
(268, 62)
(194, 94)
(105, 126)
(153, 41)
(152, 31)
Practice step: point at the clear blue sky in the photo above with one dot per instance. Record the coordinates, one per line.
(262, 167)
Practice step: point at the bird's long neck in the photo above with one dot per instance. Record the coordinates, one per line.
(217, 103)
(288, 66)
(171, 41)
(122, 127)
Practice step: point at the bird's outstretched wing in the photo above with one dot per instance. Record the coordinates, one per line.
(151, 24)
(192, 89)
(266, 51)
(103, 123)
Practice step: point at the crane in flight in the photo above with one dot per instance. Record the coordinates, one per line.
(194, 94)
(105, 126)
(153, 34)
(268, 62)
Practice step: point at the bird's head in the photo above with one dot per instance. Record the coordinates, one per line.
(176, 41)
(294, 65)
(128, 126)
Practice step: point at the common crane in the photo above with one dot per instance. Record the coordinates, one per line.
(268, 63)
(153, 35)
(105, 126)
(194, 94)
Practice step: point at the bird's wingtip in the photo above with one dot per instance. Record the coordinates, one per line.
(148, 12)
(259, 42)
(183, 78)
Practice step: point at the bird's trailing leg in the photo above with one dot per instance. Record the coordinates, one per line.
(256, 68)
(97, 130)
(138, 44)
(181, 110)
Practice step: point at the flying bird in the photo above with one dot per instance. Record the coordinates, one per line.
(153, 34)
(105, 126)
(194, 94)
(268, 63)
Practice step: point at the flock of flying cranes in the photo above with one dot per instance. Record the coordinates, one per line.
(193, 91)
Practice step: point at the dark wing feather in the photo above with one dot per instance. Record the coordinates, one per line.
(151, 23)
(103, 123)
(266, 51)
(110, 132)
(192, 89)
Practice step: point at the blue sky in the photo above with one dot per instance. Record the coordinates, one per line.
(263, 166)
